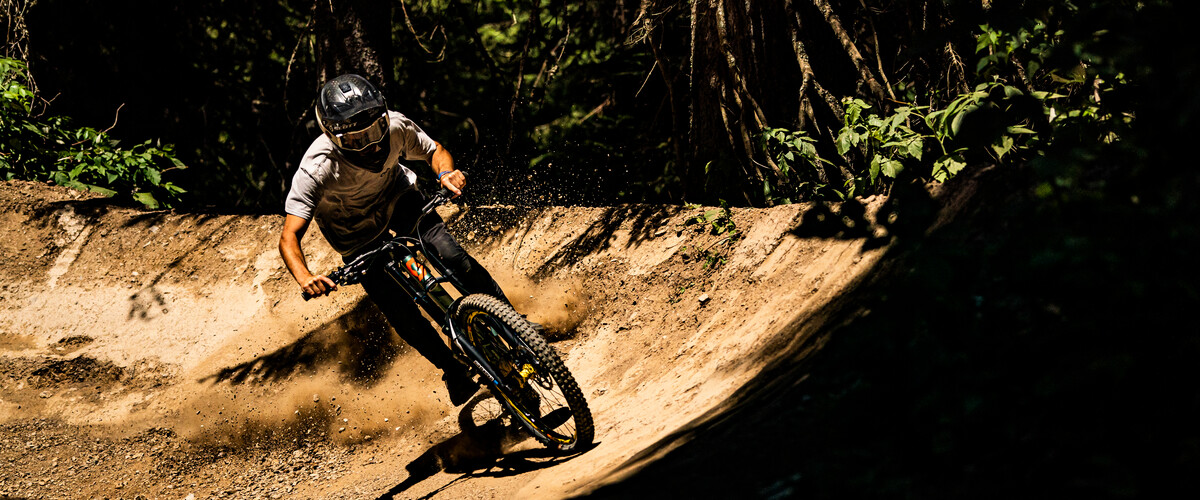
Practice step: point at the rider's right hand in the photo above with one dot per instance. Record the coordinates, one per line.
(318, 285)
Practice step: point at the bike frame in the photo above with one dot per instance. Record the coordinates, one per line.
(406, 260)
(427, 293)
(431, 297)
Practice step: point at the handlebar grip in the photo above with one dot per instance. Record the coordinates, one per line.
(334, 276)
(446, 193)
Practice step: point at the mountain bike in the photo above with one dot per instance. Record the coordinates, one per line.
(511, 358)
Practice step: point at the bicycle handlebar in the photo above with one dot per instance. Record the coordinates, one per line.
(345, 275)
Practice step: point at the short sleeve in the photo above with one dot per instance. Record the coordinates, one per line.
(303, 197)
(415, 144)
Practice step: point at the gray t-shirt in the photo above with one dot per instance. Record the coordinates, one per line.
(353, 206)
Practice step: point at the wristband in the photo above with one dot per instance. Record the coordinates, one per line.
(441, 174)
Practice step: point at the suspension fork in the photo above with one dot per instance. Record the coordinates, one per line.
(469, 351)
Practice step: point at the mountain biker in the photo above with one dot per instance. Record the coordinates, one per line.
(352, 183)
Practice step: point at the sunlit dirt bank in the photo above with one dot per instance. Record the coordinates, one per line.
(169, 354)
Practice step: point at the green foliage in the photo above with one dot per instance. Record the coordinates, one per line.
(1030, 42)
(531, 88)
(52, 149)
(678, 294)
(716, 222)
(987, 124)
(595, 102)
(1030, 94)
(800, 167)
(887, 141)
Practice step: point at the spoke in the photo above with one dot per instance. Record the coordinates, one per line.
(536, 393)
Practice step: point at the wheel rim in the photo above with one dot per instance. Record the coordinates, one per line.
(539, 401)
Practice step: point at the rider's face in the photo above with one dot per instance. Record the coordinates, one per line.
(371, 158)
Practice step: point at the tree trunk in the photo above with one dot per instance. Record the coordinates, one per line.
(736, 83)
(354, 36)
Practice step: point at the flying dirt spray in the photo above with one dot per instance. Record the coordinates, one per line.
(349, 380)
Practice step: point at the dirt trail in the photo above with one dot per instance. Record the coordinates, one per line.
(165, 354)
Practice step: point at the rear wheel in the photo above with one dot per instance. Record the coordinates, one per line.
(534, 386)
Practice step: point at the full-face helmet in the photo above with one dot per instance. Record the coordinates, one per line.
(353, 114)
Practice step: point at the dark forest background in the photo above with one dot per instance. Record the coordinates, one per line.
(1037, 345)
(557, 101)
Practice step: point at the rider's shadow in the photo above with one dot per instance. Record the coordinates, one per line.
(490, 449)
(359, 344)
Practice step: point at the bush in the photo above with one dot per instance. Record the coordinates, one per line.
(38, 148)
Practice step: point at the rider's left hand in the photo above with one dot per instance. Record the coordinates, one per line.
(454, 181)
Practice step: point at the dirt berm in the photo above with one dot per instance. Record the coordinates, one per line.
(168, 354)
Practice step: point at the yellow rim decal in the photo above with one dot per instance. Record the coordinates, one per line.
(525, 372)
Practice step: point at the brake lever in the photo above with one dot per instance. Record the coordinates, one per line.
(440, 197)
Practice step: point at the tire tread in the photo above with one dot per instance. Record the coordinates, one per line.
(584, 426)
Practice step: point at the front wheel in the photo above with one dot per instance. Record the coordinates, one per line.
(533, 384)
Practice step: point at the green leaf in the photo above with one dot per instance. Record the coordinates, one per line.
(146, 199)
(843, 143)
(852, 116)
(936, 120)
(891, 168)
(1004, 146)
(947, 166)
(153, 176)
(956, 124)
(916, 147)
(808, 150)
(37, 131)
(102, 190)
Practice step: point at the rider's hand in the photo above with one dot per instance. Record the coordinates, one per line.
(318, 285)
(454, 180)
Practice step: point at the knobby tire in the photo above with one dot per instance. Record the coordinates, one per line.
(480, 314)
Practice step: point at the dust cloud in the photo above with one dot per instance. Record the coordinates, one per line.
(306, 409)
(348, 381)
(559, 305)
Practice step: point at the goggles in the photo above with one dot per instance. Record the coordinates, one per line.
(358, 140)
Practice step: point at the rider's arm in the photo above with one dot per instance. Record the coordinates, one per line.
(443, 162)
(289, 248)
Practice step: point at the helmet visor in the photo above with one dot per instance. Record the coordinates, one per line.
(357, 140)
